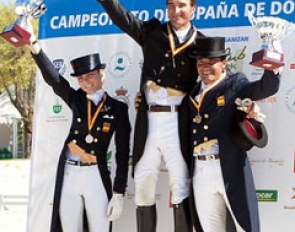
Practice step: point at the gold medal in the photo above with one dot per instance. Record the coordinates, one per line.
(89, 138)
(198, 119)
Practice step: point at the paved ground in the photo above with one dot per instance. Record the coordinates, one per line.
(14, 184)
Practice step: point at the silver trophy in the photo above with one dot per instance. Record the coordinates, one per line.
(17, 33)
(271, 30)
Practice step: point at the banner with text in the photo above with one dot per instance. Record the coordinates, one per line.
(70, 29)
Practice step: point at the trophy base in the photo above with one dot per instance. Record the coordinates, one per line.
(16, 35)
(267, 59)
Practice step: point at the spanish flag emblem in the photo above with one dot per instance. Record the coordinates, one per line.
(221, 101)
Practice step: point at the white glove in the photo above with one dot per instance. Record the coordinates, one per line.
(243, 104)
(278, 70)
(115, 207)
(251, 108)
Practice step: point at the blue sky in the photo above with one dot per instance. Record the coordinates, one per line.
(4, 1)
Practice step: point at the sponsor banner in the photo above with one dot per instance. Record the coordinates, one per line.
(70, 29)
(267, 195)
(75, 18)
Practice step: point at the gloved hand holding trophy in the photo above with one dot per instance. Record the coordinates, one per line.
(20, 32)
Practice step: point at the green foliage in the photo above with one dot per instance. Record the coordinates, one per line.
(4, 151)
(16, 64)
(5, 154)
(17, 71)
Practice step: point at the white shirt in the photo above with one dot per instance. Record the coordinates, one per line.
(161, 97)
(96, 97)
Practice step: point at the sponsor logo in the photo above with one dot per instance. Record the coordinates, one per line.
(290, 99)
(56, 114)
(236, 39)
(236, 59)
(122, 95)
(119, 65)
(292, 66)
(59, 64)
(109, 156)
(292, 198)
(57, 108)
(267, 195)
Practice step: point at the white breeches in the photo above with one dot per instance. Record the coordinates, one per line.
(83, 188)
(162, 142)
(210, 196)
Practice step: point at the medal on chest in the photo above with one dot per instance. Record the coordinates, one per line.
(92, 118)
(197, 118)
(89, 138)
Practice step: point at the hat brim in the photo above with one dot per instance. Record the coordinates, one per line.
(87, 70)
(249, 133)
(195, 54)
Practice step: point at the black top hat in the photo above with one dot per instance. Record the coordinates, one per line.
(85, 64)
(249, 133)
(209, 47)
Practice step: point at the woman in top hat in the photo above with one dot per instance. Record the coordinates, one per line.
(83, 181)
(222, 178)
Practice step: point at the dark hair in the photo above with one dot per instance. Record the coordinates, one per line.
(193, 2)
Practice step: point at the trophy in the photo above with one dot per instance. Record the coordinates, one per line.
(271, 30)
(17, 34)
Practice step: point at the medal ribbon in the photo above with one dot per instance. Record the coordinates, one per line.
(199, 104)
(183, 46)
(90, 120)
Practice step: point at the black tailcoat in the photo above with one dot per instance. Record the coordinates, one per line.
(152, 36)
(113, 118)
(219, 115)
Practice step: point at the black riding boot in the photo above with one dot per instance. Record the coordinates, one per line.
(146, 218)
(182, 217)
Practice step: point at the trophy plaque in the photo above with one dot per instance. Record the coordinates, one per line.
(271, 30)
(17, 33)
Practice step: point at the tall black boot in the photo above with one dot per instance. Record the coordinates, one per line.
(146, 218)
(182, 217)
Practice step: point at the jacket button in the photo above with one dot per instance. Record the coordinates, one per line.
(206, 127)
(205, 138)
(98, 128)
(95, 140)
(79, 120)
(194, 131)
(92, 152)
(195, 143)
(206, 115)
(158, 80)
(166, 55)
(76, 132)
(182, 63)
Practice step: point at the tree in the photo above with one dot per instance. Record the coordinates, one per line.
(17, 76)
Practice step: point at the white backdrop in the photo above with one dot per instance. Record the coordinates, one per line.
(63, 40)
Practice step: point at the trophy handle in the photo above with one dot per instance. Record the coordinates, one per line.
(251, 18)
(276, 45)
